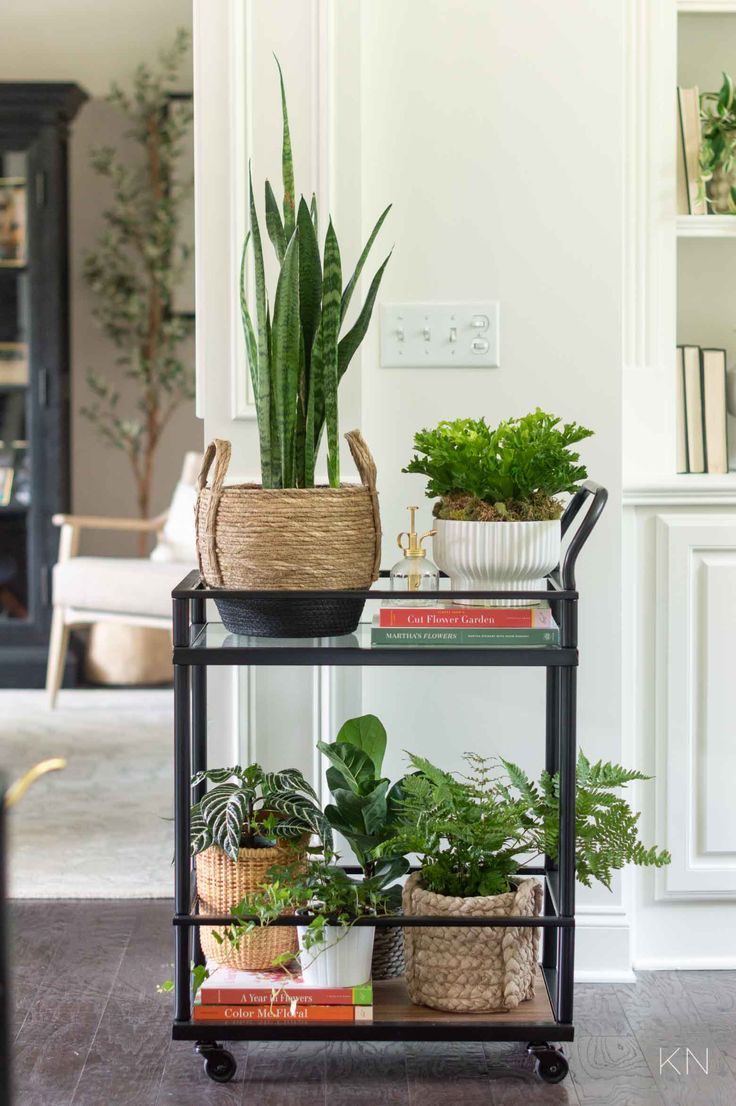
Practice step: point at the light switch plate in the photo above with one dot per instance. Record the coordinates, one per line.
(440, 335)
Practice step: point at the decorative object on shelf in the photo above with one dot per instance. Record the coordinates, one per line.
(471, 833)
(497, 519)
(415, 572)
(290, 533)
(12, 222)
(690, 188)
(135, 269)
(365, 810)
(250, 822)
(717, 119)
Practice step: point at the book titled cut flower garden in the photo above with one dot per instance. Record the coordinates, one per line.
(467, 627)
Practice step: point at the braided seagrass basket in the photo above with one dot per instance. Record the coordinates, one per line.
(471, 970)
(276, 539)
(221, 884)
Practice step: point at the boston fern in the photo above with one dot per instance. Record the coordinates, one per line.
(511, 472)
(473, 832)
(295, 353)
(251, 809)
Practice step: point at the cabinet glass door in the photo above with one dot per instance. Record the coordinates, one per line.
(15, 381)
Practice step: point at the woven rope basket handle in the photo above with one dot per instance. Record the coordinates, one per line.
(218, 451)
(368, 473)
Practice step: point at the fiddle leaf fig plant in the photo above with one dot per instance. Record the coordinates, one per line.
(365, 807)
(298, 348)
(252, 809)
(512, 472)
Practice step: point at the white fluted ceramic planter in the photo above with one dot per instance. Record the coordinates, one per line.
(343, 959)
(497, 556)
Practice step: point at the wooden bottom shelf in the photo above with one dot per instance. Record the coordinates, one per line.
(396, 1018)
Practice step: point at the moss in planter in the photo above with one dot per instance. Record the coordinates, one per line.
(468, 508)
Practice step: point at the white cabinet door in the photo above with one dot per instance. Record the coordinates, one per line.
(696, 697)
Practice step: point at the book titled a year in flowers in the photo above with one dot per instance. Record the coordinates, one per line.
(450, 618)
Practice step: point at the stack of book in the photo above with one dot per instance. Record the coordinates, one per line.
(278, 995)
(465, 627)
(702, 435)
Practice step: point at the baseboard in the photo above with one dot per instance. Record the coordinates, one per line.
(602, 947)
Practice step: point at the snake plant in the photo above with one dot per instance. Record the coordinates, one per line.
(296, 353)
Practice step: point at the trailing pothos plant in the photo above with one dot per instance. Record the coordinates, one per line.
(252, 809)
(296, 354)
(511, 473)
(320, 889)
(365, 807)
(473, 832)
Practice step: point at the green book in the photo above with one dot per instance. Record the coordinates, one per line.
(492, 637)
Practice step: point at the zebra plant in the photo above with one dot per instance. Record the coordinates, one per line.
(252, 809)
(296, 354)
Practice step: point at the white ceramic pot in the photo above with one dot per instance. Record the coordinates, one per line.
(497, 556)
(343, 959)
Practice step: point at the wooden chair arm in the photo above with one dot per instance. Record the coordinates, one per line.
(91, 522)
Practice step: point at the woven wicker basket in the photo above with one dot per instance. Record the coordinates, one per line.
(221, 884)
(472, 970)
(388, 953)
(276, 539)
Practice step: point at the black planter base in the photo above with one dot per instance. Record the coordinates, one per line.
(292, 617)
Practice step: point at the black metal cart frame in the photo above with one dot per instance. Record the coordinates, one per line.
(193, 654)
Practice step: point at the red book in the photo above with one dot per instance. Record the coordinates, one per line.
(295, 1012)
(474, 618)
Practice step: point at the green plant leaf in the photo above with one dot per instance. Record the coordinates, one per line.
(263, 394)
(367, 733)
(200, 836)
(350, 342)
(374, 808)
(330, 328)
(350, 286)
(287, 165)
(310, 278)
(289, 779)
(285, 337)
(274, 226)
(251, 344)
(236, 820)
(355, 766)
(315, 216)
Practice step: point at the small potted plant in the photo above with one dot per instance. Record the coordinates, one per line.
(718, 148)
(498, 515)
(471, 834)
(248, 823)
(333, 950)
(365, 809)
(290, 533)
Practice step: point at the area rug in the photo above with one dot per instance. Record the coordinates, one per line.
(102, 828)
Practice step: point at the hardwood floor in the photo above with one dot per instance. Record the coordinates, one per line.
(90, 1030)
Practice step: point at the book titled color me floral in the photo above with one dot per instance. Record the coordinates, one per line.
(442, 618)
(276, 1013)
(227, 987)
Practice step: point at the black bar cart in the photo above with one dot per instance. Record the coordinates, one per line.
(546, 1018)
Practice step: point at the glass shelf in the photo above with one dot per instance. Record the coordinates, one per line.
(213, 644)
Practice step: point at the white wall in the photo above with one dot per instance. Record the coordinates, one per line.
(94, 44)
(506, 185)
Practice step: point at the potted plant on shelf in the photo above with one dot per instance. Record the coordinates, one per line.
(250, 822)
(718, 148)
(365, 809)
(291, 533)
(333, 950)
(498, 515)
(471, 833)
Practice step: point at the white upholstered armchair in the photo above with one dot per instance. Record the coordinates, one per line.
(131, 590)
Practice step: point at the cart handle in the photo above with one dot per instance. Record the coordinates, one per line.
(598, 496)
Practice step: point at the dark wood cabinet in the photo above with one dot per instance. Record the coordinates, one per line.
(34, 364)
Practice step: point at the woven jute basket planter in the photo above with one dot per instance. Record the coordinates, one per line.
(221, 884)
(277, 539)
(471, 970)
(388, 953)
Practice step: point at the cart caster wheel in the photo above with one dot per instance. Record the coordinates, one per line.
(550, 1063)
(219, 1064)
